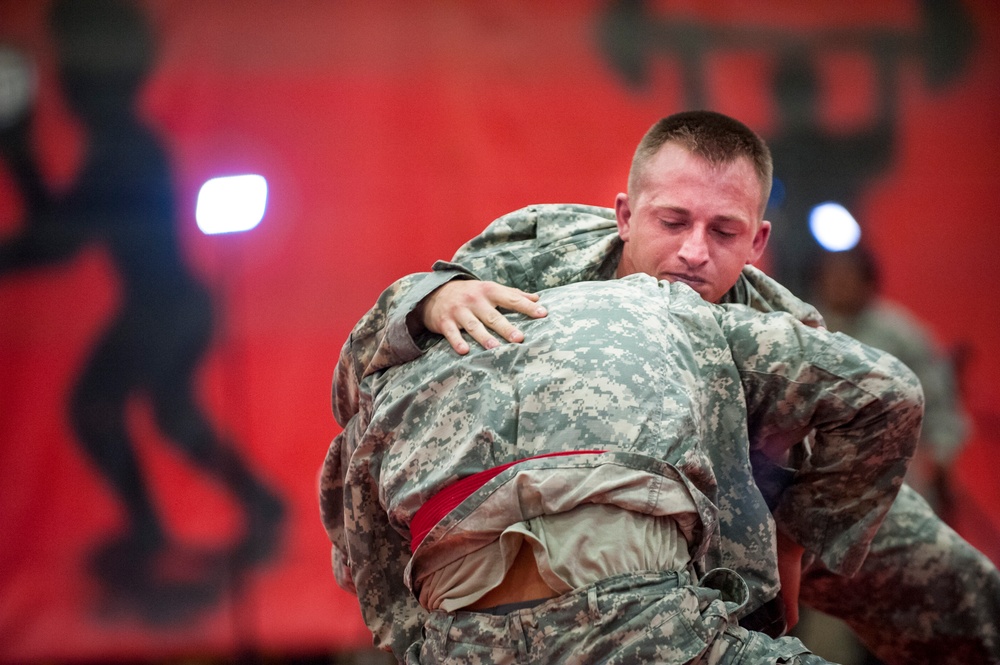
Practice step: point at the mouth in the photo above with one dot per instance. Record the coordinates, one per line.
(690, 280)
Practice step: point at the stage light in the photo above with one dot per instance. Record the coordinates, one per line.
(834, 228)
(231, 203)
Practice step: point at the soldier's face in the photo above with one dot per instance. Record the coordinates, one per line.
(693, 222)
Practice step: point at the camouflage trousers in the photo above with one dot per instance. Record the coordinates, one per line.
(922, 596)
(647, 617)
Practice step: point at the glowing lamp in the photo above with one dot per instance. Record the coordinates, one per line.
(231, 203)
(834, 228)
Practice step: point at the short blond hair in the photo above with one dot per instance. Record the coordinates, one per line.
(713, 136)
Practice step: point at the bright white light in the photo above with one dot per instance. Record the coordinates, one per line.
(232, 203)
(834, 227)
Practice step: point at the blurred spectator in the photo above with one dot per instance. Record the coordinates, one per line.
(846, 291)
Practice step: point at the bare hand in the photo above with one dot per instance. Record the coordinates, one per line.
(472, 306)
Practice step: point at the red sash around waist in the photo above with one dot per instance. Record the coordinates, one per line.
(451, 496)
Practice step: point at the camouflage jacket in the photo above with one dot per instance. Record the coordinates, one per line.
(532, 248)
(889, 326)
(672, 387)
(563, 244)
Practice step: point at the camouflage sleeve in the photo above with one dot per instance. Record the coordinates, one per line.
(866, 408)
(762, 293)
(758, 291)
(946, 425)
(381, 338)
(542, 246)
(378, 556)
(331, 506)
(369, 555)
(532, 248)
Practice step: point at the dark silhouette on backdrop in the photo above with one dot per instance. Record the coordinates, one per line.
(123, 200)
(812, 163)
(815, 165)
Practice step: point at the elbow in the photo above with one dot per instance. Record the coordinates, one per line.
(912, 392)
(908, 407)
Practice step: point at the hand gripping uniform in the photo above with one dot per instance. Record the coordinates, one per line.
(923, 595)
(658, 394)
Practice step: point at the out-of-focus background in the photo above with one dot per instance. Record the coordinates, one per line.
(168, 333)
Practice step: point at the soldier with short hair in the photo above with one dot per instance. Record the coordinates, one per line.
(923, 594)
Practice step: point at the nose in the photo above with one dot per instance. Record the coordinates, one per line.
(694, 249)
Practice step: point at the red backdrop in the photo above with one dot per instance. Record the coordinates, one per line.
(389, 133)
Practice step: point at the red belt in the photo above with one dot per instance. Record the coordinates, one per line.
(442, 503)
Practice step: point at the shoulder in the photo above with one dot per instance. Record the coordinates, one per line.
(558, 222)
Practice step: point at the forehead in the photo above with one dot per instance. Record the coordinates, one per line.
(676, 176)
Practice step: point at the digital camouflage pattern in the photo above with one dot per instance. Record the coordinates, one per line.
(942, 606)
(671, 387)
(887, 326)
(923, 595)
(622, 620)
(924, 580)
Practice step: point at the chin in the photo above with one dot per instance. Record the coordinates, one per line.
(702, 290)
(708, 294)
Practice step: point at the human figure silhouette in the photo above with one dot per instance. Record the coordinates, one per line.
(812, 163)
(816, 165)
(123, 200)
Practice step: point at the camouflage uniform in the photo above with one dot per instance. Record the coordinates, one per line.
(923, 595)
(888, 326)
(674, 389)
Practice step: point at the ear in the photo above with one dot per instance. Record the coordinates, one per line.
(623, 214)
(759, 241)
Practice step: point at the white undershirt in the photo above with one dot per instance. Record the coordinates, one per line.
(572, 549)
